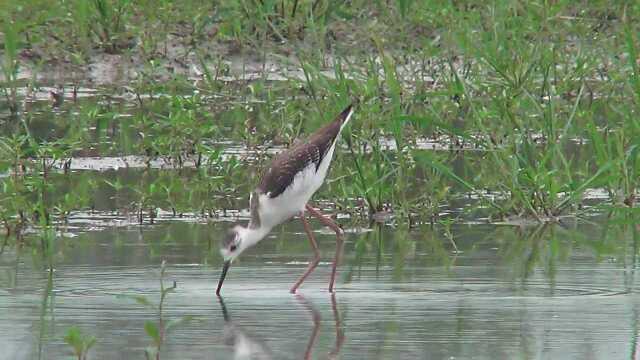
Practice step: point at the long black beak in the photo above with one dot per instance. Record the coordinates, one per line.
(225, 268)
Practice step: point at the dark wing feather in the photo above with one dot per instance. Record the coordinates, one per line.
(287, 164)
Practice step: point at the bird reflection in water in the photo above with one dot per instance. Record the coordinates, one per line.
(246, 346)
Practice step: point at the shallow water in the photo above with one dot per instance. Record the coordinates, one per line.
(554, 292)
(509, 293)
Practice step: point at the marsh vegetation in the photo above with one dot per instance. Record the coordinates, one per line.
(503, 133)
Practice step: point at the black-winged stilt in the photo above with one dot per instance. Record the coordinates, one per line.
(284, 191)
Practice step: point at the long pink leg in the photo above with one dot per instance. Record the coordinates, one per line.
(339, 332)
(339, 241)
(315, 315)
(316, 256)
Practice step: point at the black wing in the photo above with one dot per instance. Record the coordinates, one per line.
(287, 164)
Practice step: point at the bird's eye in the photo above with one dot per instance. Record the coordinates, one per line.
(233, 248)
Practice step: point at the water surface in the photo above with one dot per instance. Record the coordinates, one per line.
(509, 293)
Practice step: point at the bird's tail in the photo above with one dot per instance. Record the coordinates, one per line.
(345, 116)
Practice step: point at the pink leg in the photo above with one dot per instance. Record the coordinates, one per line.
(339, 332)
(315, 315)
(339, 241)
(316, 252)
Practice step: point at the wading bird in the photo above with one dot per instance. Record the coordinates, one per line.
(284, 191)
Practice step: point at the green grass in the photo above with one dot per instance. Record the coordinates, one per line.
(79, 341)
(531, 104)
(10, 64)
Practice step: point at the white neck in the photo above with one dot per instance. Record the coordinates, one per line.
(251, 236)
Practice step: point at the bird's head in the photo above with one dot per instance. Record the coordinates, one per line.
(233, 243)
(237, 240)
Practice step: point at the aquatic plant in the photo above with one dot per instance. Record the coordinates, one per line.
(281, 20)
(514, 120)
(10, 63)
(79, 341)
(160, 329)
(107, 22)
